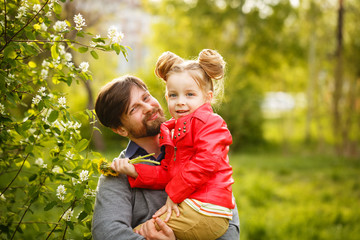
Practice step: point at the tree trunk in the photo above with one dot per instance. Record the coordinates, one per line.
(338, 84)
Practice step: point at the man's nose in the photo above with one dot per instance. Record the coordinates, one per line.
(147, 107)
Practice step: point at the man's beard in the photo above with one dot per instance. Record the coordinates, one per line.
(148, 129)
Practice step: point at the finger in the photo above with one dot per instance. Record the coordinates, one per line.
(177, 211)
(168, 214)
(163, 226)
(160, 212)
(113, 167)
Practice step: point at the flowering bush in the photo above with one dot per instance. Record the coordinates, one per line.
(44, 170)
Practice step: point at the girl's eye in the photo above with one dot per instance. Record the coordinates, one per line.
(190, 94)
(172, 95)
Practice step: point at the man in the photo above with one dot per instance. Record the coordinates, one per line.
(126, 106)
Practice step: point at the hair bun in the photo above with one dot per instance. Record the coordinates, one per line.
(212, 63)
(165, 63)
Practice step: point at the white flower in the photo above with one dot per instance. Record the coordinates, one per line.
(89, 193)
(112, 31)
(68, 57)
(68, 214)
(2, 109)
(79, 21)
(70, 65)
(56, 169)
(22, 11)
(60, 26)
(92, 44)
(3, 197)
(62, 49)
(62, 102)
(114, 35)
(39, 161)
(84, 66)
(43, 27)
(56, 62)
(61, 192)
(42, 90)
(44, 74)
(36, 99)
(84, 175)
(36, 8)
(61, 189)
(45, 64)
(69, 155)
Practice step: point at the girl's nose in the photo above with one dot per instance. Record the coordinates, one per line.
(180, 101)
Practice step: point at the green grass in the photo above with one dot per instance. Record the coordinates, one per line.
(297, 197)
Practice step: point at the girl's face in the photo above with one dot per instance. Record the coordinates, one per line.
(183, 94)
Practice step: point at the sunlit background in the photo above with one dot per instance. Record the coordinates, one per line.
(291, 99)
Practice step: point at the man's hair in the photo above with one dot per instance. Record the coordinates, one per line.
(114, 99)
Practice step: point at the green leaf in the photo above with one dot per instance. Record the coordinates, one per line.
(80, 146)
(70, 224)
(32, 177)
(82, 215)
(9, 52)
(50, 206)
(116, 48)
(88, 206)
(80, 34)
(83, 49)
(94, 54)
(57, 8)
(53, 116)
(54, 53)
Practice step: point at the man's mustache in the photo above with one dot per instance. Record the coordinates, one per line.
(155, 110)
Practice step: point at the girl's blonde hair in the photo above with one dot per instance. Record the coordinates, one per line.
(208, 70)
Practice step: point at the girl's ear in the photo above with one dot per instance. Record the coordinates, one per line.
(209, 96)
(121, 131)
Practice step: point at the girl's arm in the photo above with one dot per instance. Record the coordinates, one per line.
(151, 177)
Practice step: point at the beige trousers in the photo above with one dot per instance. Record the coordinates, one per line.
(191, 225)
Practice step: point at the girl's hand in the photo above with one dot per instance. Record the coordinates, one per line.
(167, 208)
(122, 165)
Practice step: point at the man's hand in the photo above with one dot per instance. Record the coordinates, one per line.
(122, 165)
(167, 208)
(149, 231)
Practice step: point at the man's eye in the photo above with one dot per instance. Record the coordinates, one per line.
(132, 110)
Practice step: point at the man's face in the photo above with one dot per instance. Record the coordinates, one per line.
(144, 116)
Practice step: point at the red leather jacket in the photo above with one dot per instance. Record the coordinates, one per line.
(196, 163)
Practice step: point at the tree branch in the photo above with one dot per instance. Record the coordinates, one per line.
(28, 22)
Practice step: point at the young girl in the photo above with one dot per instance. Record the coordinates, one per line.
(195, 173)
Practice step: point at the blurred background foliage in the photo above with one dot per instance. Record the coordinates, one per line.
(292, 77)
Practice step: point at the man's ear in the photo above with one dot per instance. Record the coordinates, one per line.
(121, 131)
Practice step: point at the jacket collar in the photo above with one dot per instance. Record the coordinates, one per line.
(179, 126)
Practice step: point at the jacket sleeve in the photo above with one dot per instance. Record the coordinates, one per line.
(149, 176)
(211, 140)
